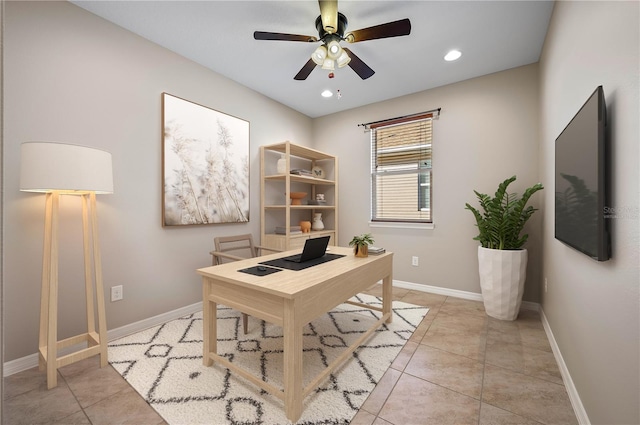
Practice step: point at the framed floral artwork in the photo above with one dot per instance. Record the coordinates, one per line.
(205, 165)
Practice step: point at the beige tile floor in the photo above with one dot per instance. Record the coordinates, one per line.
(459, 367)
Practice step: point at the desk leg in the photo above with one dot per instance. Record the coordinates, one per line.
(387, 297)
(292, 361)
(209, 324)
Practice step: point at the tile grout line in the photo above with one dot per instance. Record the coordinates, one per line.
(60, 375)
(402, 372)
(484, 367)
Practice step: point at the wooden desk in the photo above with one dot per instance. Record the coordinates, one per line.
(291, 299)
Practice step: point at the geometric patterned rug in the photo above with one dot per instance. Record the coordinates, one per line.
(164, 365)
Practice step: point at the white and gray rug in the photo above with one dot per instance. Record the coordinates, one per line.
(164, 365)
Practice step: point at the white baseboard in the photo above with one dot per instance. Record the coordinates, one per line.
(153, 321)
(473, 296)
(438, 290)
(27, 362)
(574, 397)
(18, 365)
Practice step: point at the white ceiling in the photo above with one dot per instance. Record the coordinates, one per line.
(492, 35)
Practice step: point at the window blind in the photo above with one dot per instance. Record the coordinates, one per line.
(401, 164)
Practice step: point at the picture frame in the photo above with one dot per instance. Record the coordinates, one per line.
(205, 165)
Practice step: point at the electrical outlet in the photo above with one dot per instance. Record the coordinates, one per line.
(116, 293)
(545, 285)
(415, 261)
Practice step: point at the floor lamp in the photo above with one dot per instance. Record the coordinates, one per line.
(62, 169)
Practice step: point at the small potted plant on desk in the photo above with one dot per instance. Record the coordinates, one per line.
(501, 259)
(361, 244)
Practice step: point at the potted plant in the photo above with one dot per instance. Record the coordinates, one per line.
(361, 244)
(502, 261)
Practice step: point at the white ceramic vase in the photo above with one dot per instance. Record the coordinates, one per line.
(502, 277)
(317, 222)
(281, 165)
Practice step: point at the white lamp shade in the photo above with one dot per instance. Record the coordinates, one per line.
(319, 55)
(328, 64)
(343, 60)
(333, 50)
(49, 166)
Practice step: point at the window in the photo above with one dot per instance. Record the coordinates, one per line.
(401, 179)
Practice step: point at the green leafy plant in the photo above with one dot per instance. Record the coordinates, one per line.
(362, 240)
(503, 217)
(361, 244)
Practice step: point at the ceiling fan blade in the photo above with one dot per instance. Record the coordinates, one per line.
(329, 13)
(305, 71)
(262, 35)
(361, 68)
(390, 29)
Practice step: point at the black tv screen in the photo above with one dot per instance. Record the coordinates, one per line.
(581, 193)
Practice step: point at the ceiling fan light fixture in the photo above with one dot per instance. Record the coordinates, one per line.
(334, 50)
(332, 26)
(343, 59)
(319, 55)
(328, 64)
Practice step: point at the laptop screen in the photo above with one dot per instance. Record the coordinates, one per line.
(314, 248)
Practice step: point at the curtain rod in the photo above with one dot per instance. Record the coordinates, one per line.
(400, 118)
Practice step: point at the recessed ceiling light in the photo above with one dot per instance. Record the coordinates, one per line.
(452, 55)
(327, 93)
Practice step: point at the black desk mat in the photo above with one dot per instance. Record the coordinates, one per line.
(290, 265)
(256, 272)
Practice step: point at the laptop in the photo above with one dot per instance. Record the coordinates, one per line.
(313, 248)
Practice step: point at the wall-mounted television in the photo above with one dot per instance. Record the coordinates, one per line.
(582, 182)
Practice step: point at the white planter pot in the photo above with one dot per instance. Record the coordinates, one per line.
(502, 276)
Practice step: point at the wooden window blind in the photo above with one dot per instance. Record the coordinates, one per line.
(401, 162)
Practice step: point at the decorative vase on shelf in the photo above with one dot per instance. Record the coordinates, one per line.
(296, 197)
(317, 222)
(305, 226)
(281, 165)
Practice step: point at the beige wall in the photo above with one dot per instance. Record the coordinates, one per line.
(487, 132)
(72, 77)
(592, 307)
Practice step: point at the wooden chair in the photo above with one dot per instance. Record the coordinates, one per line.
(242, 247)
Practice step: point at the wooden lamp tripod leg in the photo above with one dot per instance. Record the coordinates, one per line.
(88, 278)
(49, 295)
(97, 264)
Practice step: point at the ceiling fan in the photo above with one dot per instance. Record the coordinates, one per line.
(331, 26)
